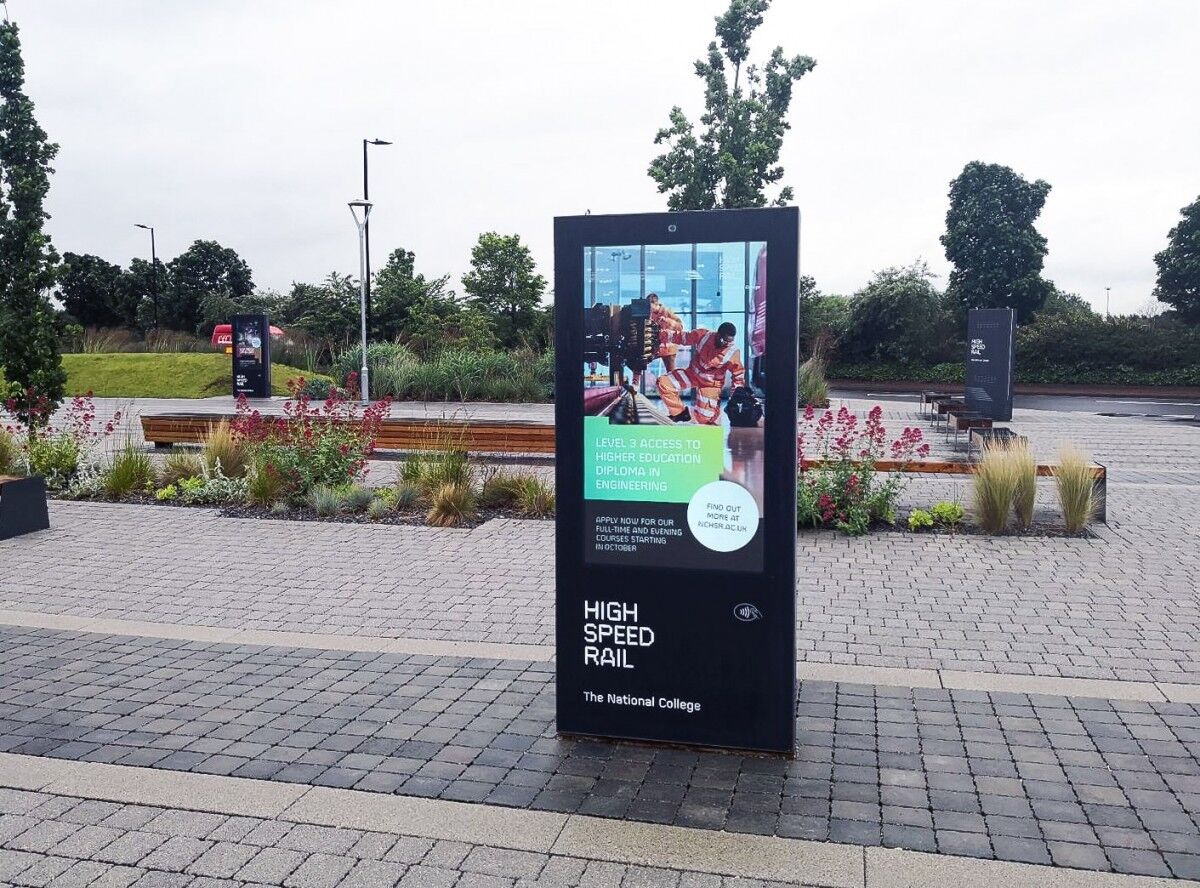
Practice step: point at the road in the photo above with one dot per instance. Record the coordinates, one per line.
(1103, 405)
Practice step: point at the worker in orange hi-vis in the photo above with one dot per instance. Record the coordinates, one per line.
(713, 355)
(667, 322)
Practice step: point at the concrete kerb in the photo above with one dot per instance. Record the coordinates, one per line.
(428, 818)
(721, 853)
(275, 638)
(825, 864)
(893, 868)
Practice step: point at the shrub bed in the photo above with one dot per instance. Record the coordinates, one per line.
(521, 376)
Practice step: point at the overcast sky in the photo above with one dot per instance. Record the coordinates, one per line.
(241, 120)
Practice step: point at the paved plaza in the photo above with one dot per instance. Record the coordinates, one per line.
(1018, 710)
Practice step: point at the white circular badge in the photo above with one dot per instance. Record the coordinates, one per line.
(722, 516)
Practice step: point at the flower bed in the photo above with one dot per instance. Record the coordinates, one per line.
(310, 464)
(838, 485)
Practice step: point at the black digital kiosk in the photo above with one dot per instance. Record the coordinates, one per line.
(991, 338)
(251, 356)
(675, 414)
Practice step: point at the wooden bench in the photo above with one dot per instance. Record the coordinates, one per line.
(480, 435)
(941, 406)
(966, 421)
(983, 437)
(927, 399)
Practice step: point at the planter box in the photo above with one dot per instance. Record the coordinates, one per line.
(22, 506)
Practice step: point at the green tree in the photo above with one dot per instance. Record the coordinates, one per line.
(398, 292)
(734, 157)
(29, 352)
(220, 307)
(1179, 265)
(991, 241)
(90, 289)
(203, 269)
(504, 285)
(328, 312)
(1066, 305)
(436, 323)
(900, 317)
(138, 285)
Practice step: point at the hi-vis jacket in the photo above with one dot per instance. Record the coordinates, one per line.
(668, 322)
(709, 361)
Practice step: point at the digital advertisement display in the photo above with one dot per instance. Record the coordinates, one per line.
(251, 356)
(675, 435)
(991, 339)
(673, 423)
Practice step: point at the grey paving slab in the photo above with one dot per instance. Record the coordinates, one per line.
(182, 861)
(1081, 781)
(1122, 605)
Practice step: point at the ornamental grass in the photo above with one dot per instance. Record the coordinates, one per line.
(181, 464)
(378, 509)
(1075, 483)
(996, 478)
(224, 449)
(1025, 495)
(451, 505)
(265, 484)
(406, 494)
(10, 453)
(358, 498)
(440, 468)
(325, 501)
(131, 471)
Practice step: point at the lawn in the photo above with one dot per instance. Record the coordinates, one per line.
(161, 375)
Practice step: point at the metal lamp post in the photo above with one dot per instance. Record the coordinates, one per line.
(153, 267)
(365, 207)
(619, 256)
(367, 227)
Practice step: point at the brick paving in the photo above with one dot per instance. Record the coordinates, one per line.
(1122, 605)
(1078, 782)
(1073, 782)
(57, 840)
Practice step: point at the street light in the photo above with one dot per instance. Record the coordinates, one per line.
(365, 207)
(618, 256)
(367, 196)
(153, 267)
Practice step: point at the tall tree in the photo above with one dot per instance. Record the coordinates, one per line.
(90, 290)
(28, 344)
(203, 269)
(1179, 265)
(328, 312)
(504, 285)
(399, 292)
(900, 316)
(735, 156)
(139, 284)
(991, 241)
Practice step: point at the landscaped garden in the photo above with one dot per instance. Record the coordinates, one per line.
(309, 464)
(852, 473)
(160, 375)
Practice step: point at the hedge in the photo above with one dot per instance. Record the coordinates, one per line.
(1050, 374)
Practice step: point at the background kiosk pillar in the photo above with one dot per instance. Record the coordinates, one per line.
(991, 340)
(251, 356)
